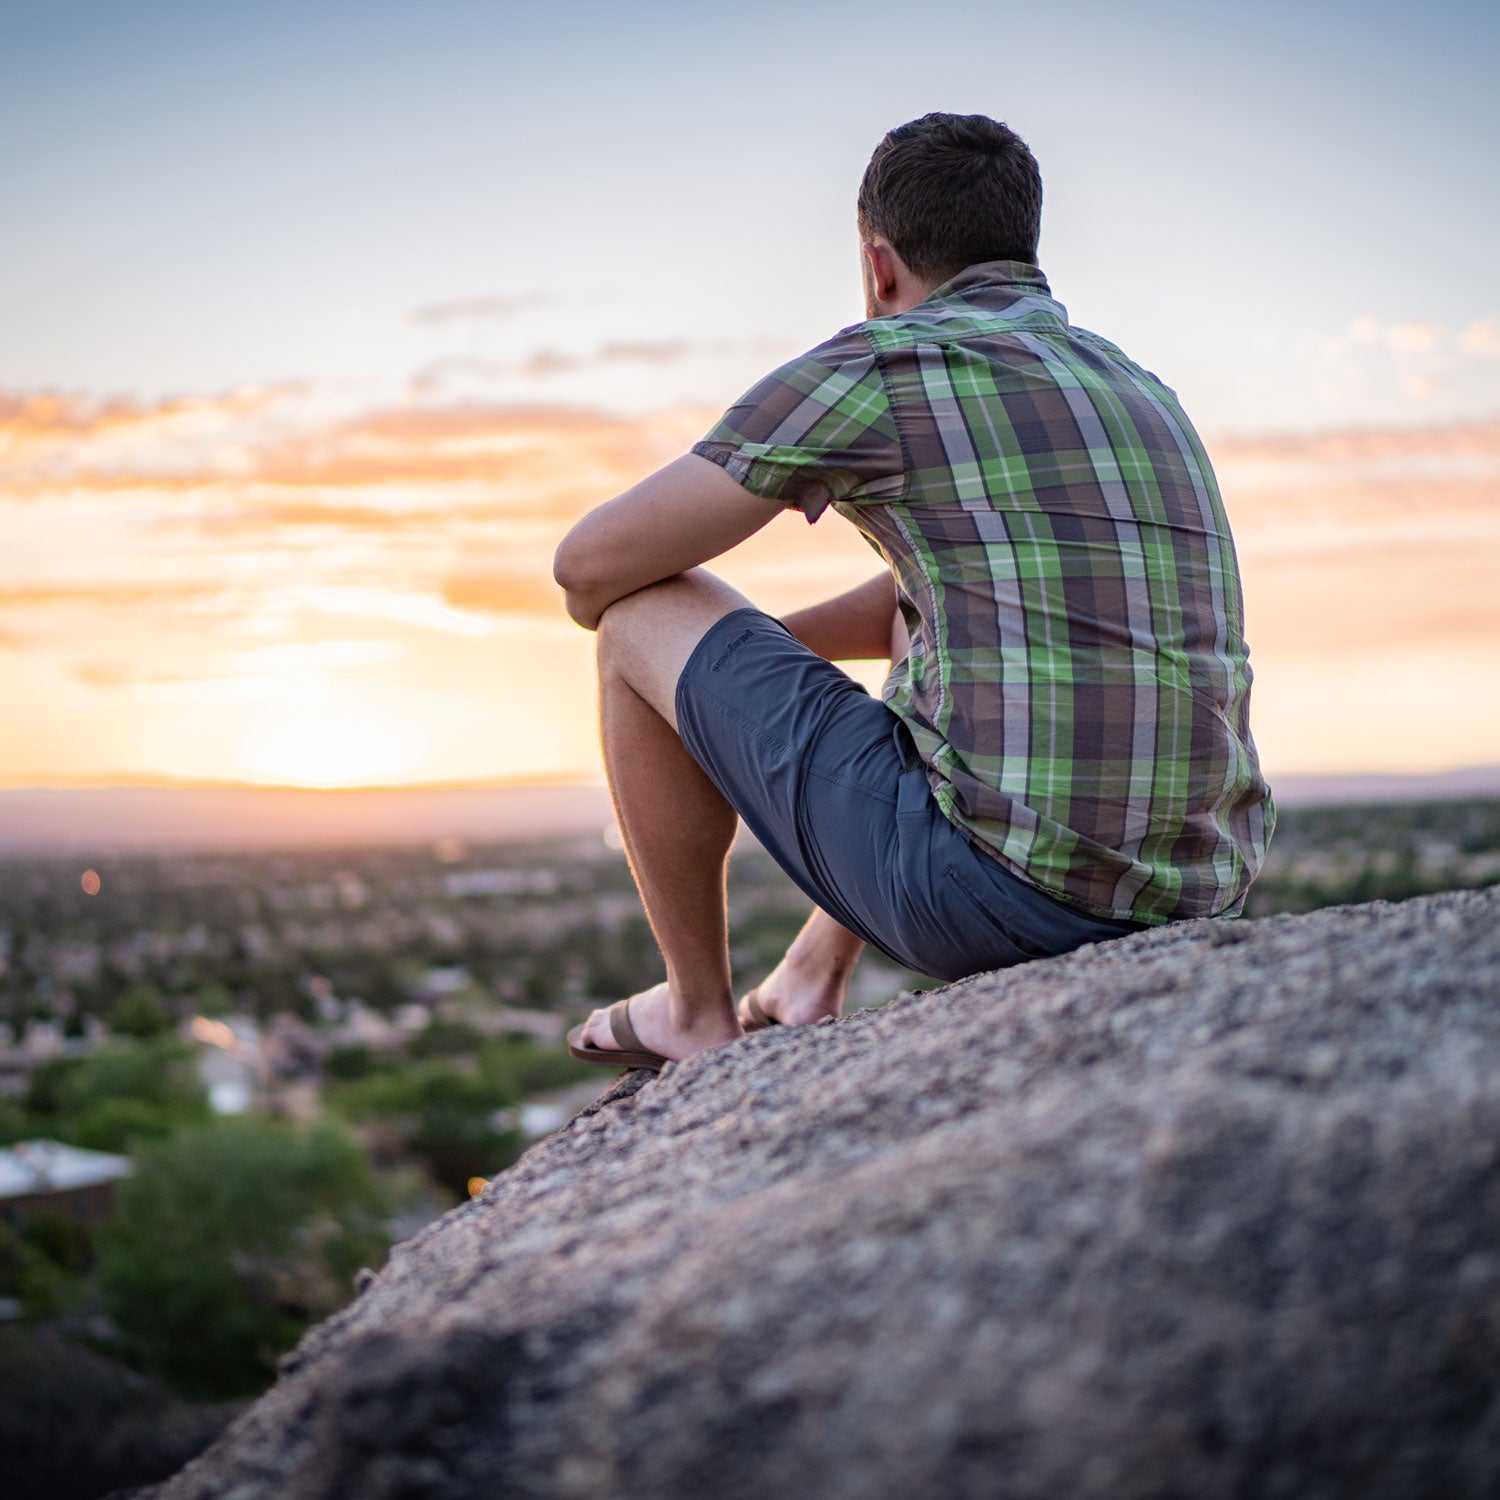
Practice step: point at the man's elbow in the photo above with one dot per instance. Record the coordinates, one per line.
(570, 566)
(571, 573)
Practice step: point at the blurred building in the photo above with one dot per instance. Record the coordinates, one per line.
(47, 1175)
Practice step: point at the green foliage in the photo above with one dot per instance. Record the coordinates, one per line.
(228, 1241)
(390, 1096)
(12, 1258)
(140, 1013)
(43, 1097)
(454, 1146)
(445, 1117)
(527, 1068)
(42, 1261)
(14, 1126)
(213, 999)
(1328, 856)
(63, 1239)
(445, 1039)
(357, 1060)
(123, 1093)
(121, 1124)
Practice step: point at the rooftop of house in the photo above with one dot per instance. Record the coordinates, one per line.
(51, 1167)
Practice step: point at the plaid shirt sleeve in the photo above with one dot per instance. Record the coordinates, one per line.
(817, 430)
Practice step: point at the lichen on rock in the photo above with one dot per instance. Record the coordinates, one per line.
(1210, 1210)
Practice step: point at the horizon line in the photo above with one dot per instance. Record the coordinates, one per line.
(139, 783)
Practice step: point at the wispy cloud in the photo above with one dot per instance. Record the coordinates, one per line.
(1375, 364)
(1339, 445)
(1481, 338)
(556, 362)
(476, 309)
(500, 444)
(30, 416)
(468, 370)
(1401, 337)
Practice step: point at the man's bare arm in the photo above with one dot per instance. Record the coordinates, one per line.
(681, 516)
(863, 624)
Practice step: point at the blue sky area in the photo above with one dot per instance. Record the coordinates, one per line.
(1247, 199)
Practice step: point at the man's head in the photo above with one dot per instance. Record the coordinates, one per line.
(945, 192)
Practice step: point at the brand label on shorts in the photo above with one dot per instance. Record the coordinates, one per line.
(731, 648)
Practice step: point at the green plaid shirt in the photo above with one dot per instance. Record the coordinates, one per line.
(1078, 683)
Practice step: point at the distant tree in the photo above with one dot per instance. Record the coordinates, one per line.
(15, 1125)
(121, 1124)
(213, 999)
(445, 1038)
(140, 1013)
(446, 1118)
(122, 1093)
(43, 1096)
(357, 1060)
(42, 1261)
(524, 1067)
(456, 1146)
(228, 1241)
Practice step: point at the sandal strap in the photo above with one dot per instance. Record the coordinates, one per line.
(621, 1029)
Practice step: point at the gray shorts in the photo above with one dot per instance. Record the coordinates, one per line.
(829, 781)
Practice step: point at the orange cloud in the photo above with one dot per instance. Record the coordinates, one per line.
(49, 414)
(102, 595)
(524, 449)
(505, 593)
(422, 532)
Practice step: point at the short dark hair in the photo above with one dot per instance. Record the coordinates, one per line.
(949, 191)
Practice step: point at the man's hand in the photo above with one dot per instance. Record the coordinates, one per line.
(673, 520)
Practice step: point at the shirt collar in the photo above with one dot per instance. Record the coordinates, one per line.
(1016, 277)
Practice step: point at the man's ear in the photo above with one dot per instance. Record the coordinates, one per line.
(883, 268)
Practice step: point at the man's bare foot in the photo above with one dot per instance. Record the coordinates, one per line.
(797, 993)
(661, 1027)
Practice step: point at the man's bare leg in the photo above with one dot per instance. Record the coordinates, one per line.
(674, 822)
(677, 828)
(813, 977)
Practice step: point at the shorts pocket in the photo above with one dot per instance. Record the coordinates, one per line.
(987, 907)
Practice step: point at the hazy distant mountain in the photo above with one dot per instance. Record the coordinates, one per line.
(256, 817)
(1372, 786)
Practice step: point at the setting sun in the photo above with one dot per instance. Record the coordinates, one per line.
(329, 745)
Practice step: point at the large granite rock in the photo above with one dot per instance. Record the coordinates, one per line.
(1209, 1211)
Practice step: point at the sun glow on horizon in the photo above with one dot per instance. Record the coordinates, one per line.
(332, 745)
(403, 629)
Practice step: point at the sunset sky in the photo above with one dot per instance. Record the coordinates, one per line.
(322, 323)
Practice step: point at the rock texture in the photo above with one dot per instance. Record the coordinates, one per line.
(1209, 1211)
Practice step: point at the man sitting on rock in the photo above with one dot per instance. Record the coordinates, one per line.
(1063, 752)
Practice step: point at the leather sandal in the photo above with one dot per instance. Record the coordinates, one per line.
(628, 1053)
(753, 1016)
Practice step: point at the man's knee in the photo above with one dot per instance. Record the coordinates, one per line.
(647, 637)
(665, 620)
